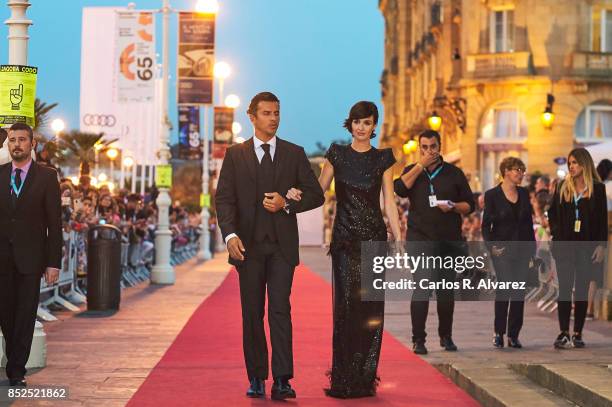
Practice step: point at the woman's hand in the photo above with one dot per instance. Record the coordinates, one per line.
(598, 255)
(294, 194)
(496, 251)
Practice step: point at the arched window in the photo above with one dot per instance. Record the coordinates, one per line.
(594, 123)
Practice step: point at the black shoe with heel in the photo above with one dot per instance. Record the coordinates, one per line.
(498, 341)
(514, 343)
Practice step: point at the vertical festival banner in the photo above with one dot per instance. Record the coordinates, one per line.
(196, 58)
(134, 121)
(135, 42)
(223, 136)
(190, 144)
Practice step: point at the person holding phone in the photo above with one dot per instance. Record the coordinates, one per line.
(439, 195)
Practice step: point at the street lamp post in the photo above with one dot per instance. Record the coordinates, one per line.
(221, 71)
(163, 272)
(18, 32)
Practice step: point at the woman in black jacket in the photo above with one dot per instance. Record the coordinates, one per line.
(578, 222)
(507, 221)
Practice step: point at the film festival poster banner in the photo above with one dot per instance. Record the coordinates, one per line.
(223, 136)
(190, 143)
(135, 44)
(135, 123)
(196, 58)
(17, 94)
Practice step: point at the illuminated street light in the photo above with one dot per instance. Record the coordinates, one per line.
(58, 126)
(112, 153)
(232, 101)
(236, 128)
(409, 147)
(128, 162)
(102, 177)
(207, 6)
(434, 121)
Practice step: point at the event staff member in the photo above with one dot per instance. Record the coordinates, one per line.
(507, 220)
(30, 245)
(439, 194)
(578, 223)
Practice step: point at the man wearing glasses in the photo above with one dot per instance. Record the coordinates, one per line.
(439, 195)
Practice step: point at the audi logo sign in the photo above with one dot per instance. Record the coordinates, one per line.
(101, 120)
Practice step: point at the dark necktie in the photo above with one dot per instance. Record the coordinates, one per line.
(267, 158)
(17, 185)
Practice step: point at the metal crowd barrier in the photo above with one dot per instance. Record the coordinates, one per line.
(136, 260)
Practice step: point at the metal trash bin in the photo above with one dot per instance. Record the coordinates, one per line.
(103, 268)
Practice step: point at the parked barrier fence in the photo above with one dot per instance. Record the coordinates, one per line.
(136, 260)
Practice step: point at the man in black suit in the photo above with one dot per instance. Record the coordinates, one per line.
(260, 229)
(30, 245)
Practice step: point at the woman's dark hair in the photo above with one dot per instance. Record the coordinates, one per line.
(261, 97)
(361, 110)
(603, 169)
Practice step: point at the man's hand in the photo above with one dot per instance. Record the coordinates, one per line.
(51, 275)
(236, 248)
(294, 194)
(273, 202)
(429, 159)
(446, 208)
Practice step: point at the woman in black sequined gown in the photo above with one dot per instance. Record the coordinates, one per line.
(360, 172)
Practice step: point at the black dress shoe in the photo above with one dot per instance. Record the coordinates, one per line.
(281, 390)
(419, 348)
(498, 341)
(18, 382)
(577, 340)
(256, 389)
(448, 344)
(514, 343)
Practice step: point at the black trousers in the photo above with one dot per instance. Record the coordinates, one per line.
(445, 297)
(265, 267)
(509, 303)
(574, 271)
(19, 297)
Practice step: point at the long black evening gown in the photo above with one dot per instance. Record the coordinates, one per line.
(358, 325)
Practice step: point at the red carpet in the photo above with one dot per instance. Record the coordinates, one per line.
(204, 365)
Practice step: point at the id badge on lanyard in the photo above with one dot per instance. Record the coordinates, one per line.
(577, 222)
(432, 194)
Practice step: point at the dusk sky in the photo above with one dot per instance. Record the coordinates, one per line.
(318, 56)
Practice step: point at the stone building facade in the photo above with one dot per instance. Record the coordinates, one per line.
(488, 68)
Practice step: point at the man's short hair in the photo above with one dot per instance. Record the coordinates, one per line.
(430, 134)
(23, 126)
(261, 97)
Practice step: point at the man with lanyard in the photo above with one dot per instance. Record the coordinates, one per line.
(439, 195)
(30, 245)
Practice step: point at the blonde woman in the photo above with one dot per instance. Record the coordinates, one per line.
(578, 222)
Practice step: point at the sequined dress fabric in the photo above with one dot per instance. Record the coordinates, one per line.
(358, 325)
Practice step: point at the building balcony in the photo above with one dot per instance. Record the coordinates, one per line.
(592, 64)
(498, 65)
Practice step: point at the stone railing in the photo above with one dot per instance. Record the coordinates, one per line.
(592, 64)
(494, 65)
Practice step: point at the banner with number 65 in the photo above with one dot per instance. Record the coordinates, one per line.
(135, 62)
